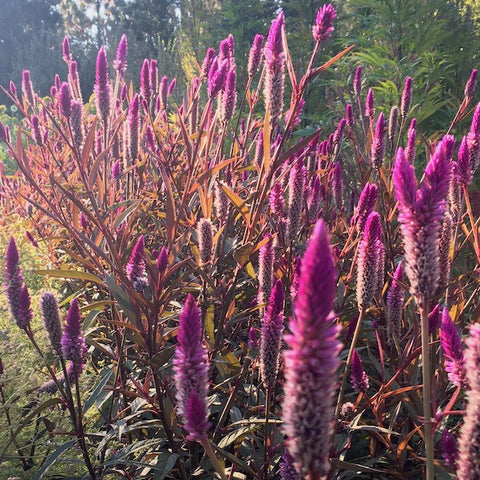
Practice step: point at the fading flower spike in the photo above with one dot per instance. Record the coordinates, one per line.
(51, 320)
(452, 350)
(312, 361)
(393, 125)
(464, 168)
(205, 240)
(73, 342)
(323, 28)
(366, 204)
(102, 87)
(395, 298)
(357, 81)
(378, 144)
(369, 104)
(434, 318)
(120, 63)
(27, 88)
(449, 449)
(162, 261)
(358, 377)
(406, 97)
(296, 186)
(471, 85)
(255, 55)
(136, 265)
(265, 271)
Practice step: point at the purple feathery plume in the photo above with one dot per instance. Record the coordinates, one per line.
(271, 337)
(338, 136)
(229, 97)
(190, 367)
(163, 95)
(287, 470)
(468, 464)
(366, 204)
(255, 55)
(102, 87)
(162, 261)
(76, 122)
(74, 80)
(395, 298)
(323, 28)
(51, 320)
(349, 115)
(357, 81)
(73, 342)
(37, 133)
(406, 97)
(296, 186)
(464, 168)
(171, 86)
(31, 239)
(445, 263)
(314, 198)
(153, 75)
(337, 186)
(136, 265)
(452, 350)
(217, 77)
(207, 62)
(378, 144)
(133, 127)
(83, 221)
(220, 203)
(410, 149)
(65, 100)
(116, 169)
(27, 88)
(370, 261)
(120, 63)
(449, 449)
(252, 338)
(369, 104)
(265, 271)
(205, 240)
(297, 112)
(25, 313)
(145, 87)
(67, 56)
(274, 70)
(434, 318)
(421, 212)
(358, 377)
(393, 125)
(473, 140)
(277, 202)
(13, 282)
(312, 360)
(471, 85)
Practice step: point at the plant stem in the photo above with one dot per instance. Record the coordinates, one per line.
(427, 390)
(346, 371)
(213, 458)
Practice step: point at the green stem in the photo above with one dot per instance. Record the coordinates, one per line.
(213, 458)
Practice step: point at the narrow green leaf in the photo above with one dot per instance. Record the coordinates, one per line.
(52, 459)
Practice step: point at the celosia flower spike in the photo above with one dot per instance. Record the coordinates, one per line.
(366, 204)
(393, 125)
(102, 87)
(255, 55)
(312, 361)
(217, 77)
(73, 342)
(27, 88)
(120, 63)
(337, 186)
(277, 202)
(133, 128)
(162, 260)
(369, 104)
(434, 318)
(323, 28)
(357, 81)
(468, 464)
(378, 144)
(464, 168)
(471, 85)
(145, 87)
(136, 265)
(265, 271)
(207, 62)
(358, 377)
(449, 449)
(205, 240)
(473, 140)
(190, 366)
(287, 470)
(452, 350)
(65, 100)
(349, 115)
(271, 338)
(406, 97)
(67, 56)
(296, 187)
(229, 98)
(410, 149)
(395, 298)
(51, 320)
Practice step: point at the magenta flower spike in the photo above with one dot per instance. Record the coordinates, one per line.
(277, 202)
(406, 97)
(323, 28)
(357, 81)
(120, 63)
(378, 144)
(229, 97)
(468, 464)
(217, 78)
(358, 377)
(421, 211)
(67, 56)
(205, 240)
(434, 318)
(207, 62)
(473, 140)
(255, 56)
(452, 350)
(51, 320)
(136, 265)
(163, 92)
(464, 168)
(370, 262)
(271, 337)
(395, 297)
(449, 449)
(133, 128)
(76, 122)
(73, 342)
(27, 88)
(153, 75)
(265, 271)
(311, 362)
(349, 115)
(190, 367)
(410, 149)
(37, 133)
(287, 470)
(65, 100)
(145, 87)
(369, 104)
(366, 204)
(162, 261)
(471, 85)
(274, 83)
(296, 187)
(102, 87)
